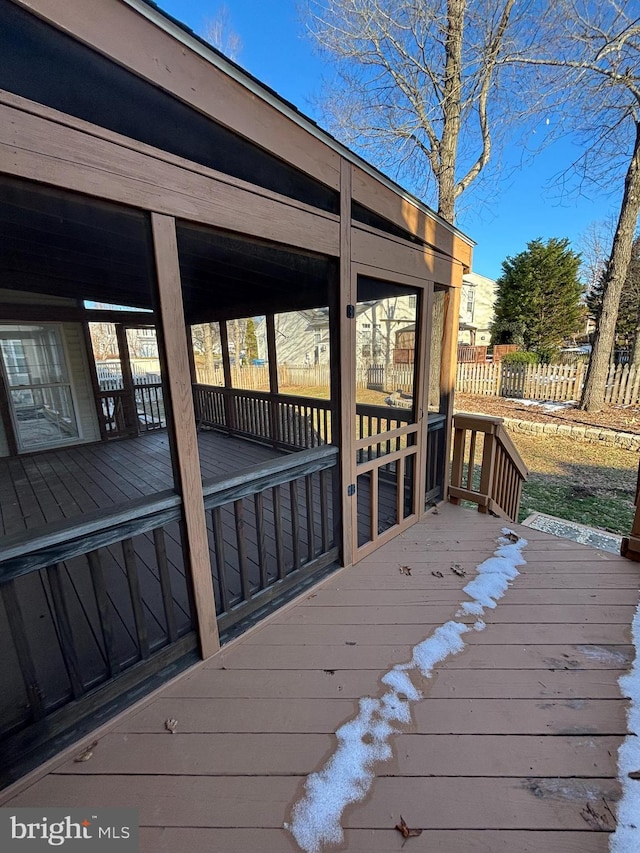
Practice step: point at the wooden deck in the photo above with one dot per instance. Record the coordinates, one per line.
(70, 481)
(513, 747)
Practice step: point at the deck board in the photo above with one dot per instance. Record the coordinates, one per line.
(514, 738)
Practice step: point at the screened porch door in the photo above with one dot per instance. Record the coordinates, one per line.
(388, 418)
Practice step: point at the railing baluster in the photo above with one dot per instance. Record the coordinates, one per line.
(472, 460)
(277, 522)
(221, 563)
(238, 512)
(136, 599)
(18, 631)
(324, 509)
(295, 522)
(104, 610)
(65, 634)
(165, 584)
(261, 538)
(311, 522)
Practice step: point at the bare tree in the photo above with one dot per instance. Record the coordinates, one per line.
(219, 32)
(420, 88)
(592, 50)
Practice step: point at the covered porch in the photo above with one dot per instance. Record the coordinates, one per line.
(512, 747)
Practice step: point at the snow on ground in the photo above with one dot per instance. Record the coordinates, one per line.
(364, 741)
(548, 405)
(626, 838)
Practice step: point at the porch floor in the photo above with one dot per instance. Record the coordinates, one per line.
(513, 747)
(69, 481)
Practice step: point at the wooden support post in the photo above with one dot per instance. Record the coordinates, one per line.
(182, 428)
(229, 411)
(448, 367)
(129, 399)
(346, 402)
(424, 332)
(272, 361)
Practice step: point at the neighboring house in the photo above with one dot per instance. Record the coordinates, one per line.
(476, 309)
(140, 168)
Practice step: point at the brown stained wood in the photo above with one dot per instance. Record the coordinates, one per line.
(344, 371)
(516, 733)
(296, 754)
(165, 584)
(171, 316)
(104, 605)
(204, 840)
(376, 196)
(238, 512)
(20, 642)
(193, 80)
(36, 148)
(64, 631)
(391, 254)
(222, 801)
(279, 633)
(142, 634)
(434, 614)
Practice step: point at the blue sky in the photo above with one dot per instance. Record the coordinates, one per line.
(524, 206)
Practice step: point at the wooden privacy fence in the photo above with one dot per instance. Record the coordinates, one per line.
(253, 377)
(558, 382)
(486, 470)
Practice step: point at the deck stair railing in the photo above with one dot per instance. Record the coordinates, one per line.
(486, 468)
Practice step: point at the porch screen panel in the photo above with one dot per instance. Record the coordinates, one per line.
(386, 409)
(39, 387)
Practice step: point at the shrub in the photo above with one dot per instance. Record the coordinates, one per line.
(521, 358)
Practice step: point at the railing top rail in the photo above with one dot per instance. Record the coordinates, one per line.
(318, 402)
(266, 474)
(478, 423)
(29, 550)
(389, 413)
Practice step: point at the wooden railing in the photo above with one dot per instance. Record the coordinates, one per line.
(287, 422)
(630, 546)
(272, 527)
(93, 607)
(486, 469)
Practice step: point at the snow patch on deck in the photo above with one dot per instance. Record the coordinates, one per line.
(626, 838)
(364, 741)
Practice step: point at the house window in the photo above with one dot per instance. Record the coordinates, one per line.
(38, 385)
(470, 295)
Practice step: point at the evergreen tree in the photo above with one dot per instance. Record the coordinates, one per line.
(538, 304)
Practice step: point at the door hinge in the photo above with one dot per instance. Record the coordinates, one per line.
(351, 312)
(351, 490)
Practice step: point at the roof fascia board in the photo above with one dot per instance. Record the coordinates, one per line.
(157, 17)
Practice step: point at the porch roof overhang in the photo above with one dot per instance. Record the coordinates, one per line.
(65, 245)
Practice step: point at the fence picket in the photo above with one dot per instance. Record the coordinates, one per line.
(547, 382)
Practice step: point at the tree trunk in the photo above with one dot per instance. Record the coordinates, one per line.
(594, 387)
(446, 173)
(635, 353)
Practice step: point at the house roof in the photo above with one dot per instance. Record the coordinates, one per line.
(183, 33)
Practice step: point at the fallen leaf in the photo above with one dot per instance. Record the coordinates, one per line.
(512, 537)
(435, 510)
(457, 569)
(494, 514)
(171, 725)
(405, 831)
(437, 574)
(405, 570)
(87, 754)
(350, 643)
(635, 774)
